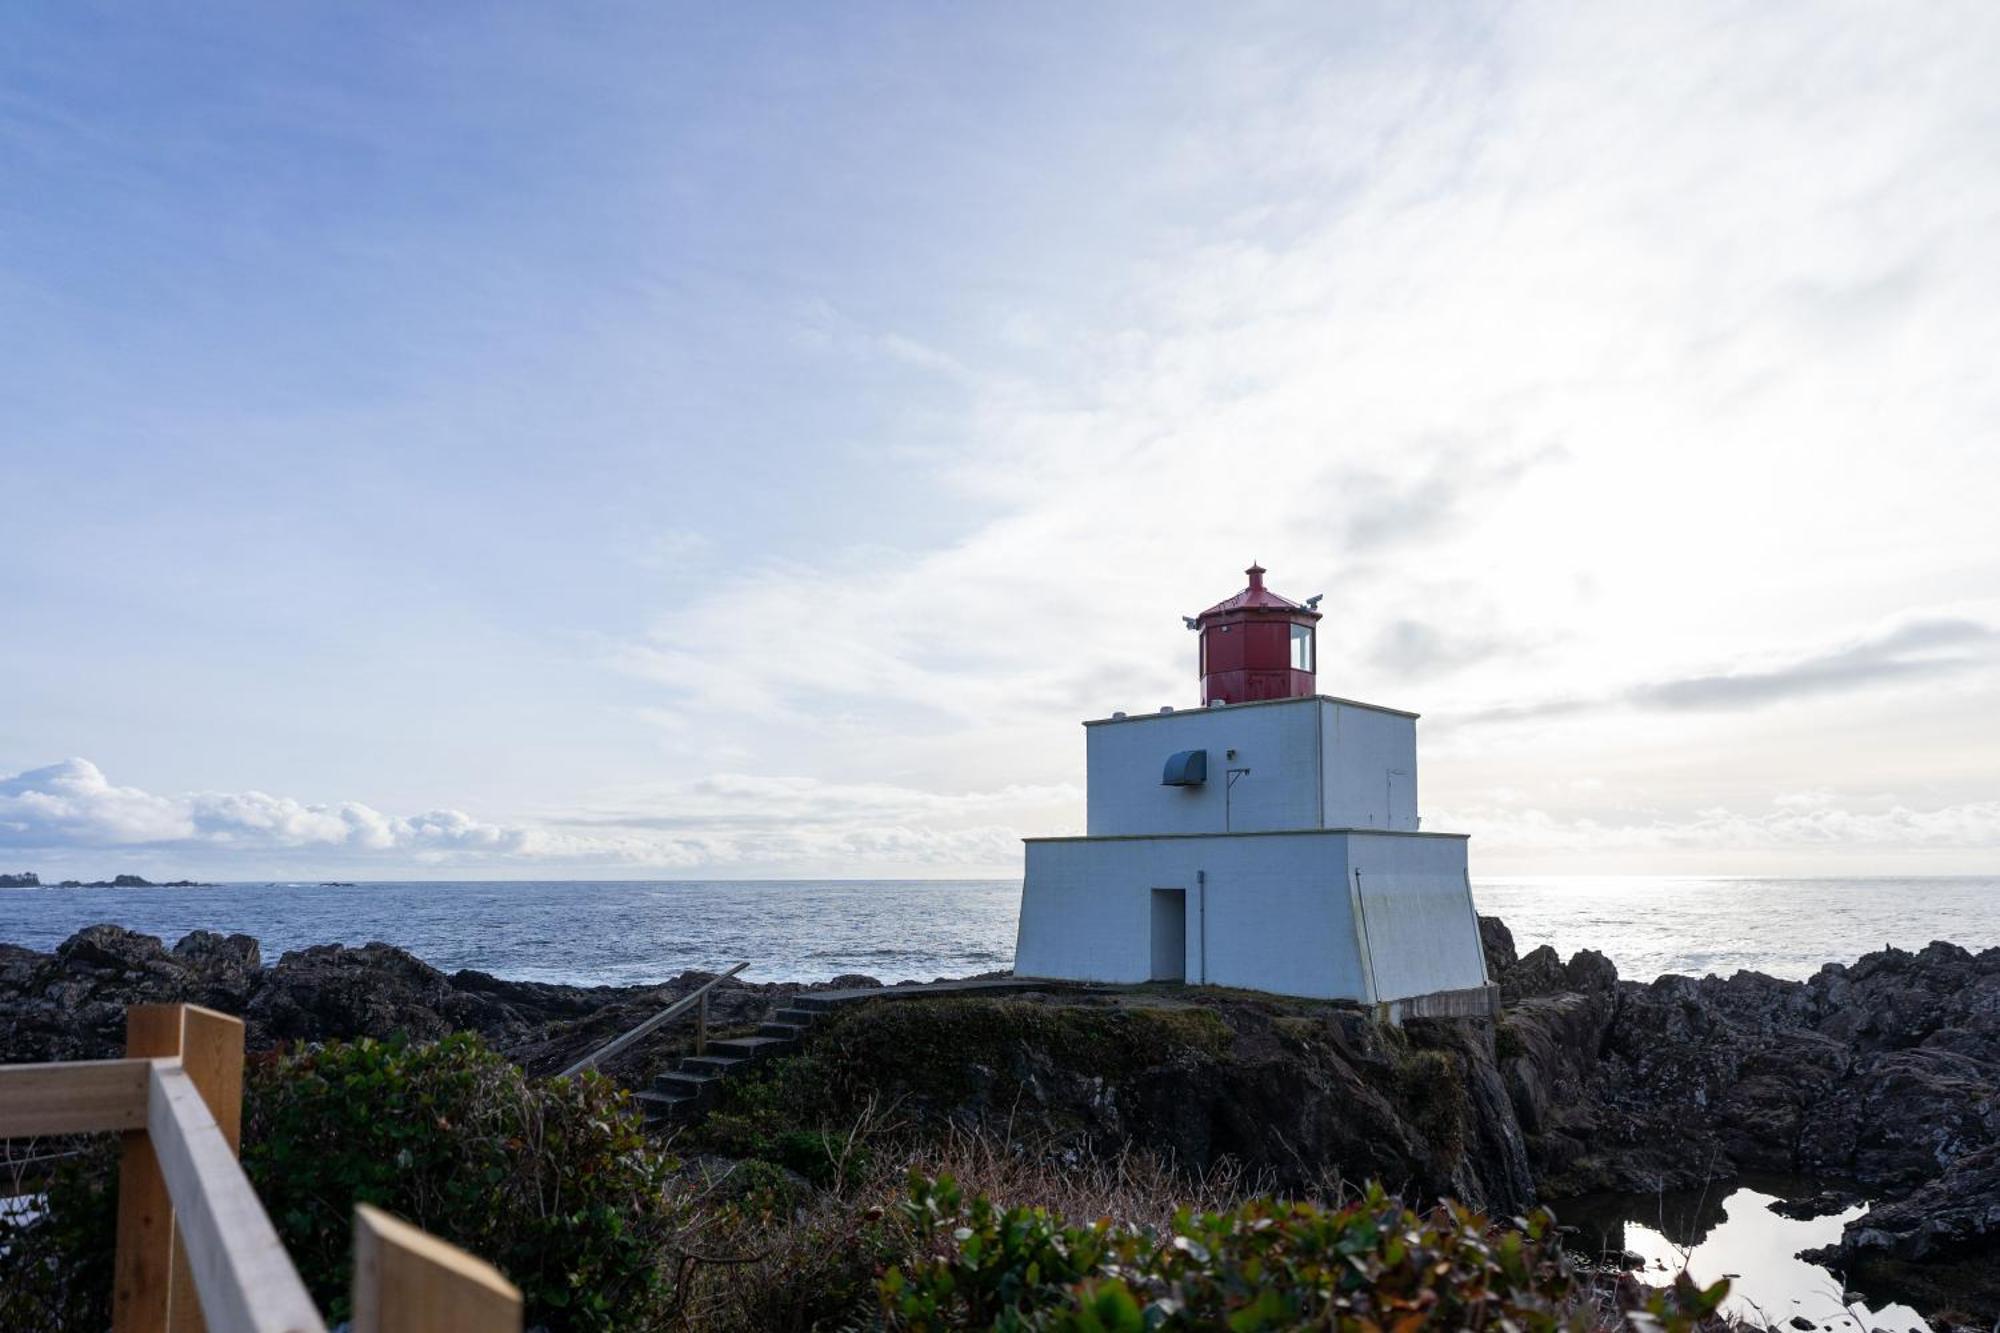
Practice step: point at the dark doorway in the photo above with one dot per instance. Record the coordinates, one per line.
(1170, 934)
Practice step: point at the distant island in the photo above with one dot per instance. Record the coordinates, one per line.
(30, 880)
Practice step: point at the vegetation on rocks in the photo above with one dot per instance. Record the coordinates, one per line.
(812, 1228)
(1264, 1264)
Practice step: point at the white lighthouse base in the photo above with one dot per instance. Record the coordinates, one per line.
(1345, 914)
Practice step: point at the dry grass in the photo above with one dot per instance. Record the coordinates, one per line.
(810, 1261)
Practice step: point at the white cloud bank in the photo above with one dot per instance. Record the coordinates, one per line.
(73, 804)
(735, 825)
(1877, 833)
(723, 824)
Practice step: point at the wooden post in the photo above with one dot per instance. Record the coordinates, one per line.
(407, 1281)
(212, 1054)
(701, 1026)
(142, 1270)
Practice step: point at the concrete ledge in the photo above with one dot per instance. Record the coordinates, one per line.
(825, 1000)
(1473, 1002)
(1252, 703)
(1254, 833)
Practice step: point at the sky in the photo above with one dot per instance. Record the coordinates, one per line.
(694, 441)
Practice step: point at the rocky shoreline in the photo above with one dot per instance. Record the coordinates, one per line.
(1884, 1073)
(30, 880)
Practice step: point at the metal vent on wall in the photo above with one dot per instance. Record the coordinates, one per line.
(1189, 768)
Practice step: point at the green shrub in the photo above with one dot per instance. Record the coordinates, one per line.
(550, 1181)
(1431, 1086)
(1264, 1265)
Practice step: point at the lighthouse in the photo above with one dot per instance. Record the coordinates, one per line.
(1268, 839)
(1257, 645)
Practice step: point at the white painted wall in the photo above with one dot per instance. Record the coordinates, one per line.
(1277, 916)
(1280, 911)
(1419, 929)
(1370, 769)
(1278, 743)
(1314, 763)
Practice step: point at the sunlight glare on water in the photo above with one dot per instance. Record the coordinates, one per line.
(1757, 1250)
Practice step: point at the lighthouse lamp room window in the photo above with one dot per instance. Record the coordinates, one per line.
(1268, 839)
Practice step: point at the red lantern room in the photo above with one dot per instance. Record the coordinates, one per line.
(1257, 645)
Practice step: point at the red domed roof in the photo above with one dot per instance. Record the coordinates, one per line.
(1257, 597)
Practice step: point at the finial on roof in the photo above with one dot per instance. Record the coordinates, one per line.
(1256, 573)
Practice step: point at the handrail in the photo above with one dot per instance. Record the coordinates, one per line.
(674, 1010)
(72, 1097)
(241, 1272)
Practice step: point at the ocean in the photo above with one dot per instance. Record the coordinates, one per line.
(630, 932)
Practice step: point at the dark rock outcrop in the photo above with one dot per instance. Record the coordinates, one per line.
(70, 1005)
(1956, 1213)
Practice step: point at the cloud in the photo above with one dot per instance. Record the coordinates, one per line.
(720, 824)
(1385, 510)
(1918, 648)
(72, 805)
(1503, 339)
(1817, 825)
(740, 800)
(1412, 648)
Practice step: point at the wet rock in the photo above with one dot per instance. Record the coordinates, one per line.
(1956, 1214)
(372, 991)
(1589, 971)
(1498, 943)
(1540, 972)
(70, 1004)
(225, 968)
(1824, 1204)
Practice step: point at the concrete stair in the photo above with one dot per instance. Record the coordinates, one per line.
(680, 1096)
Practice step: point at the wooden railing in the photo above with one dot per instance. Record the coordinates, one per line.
(697, 997)
(196, 1250)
